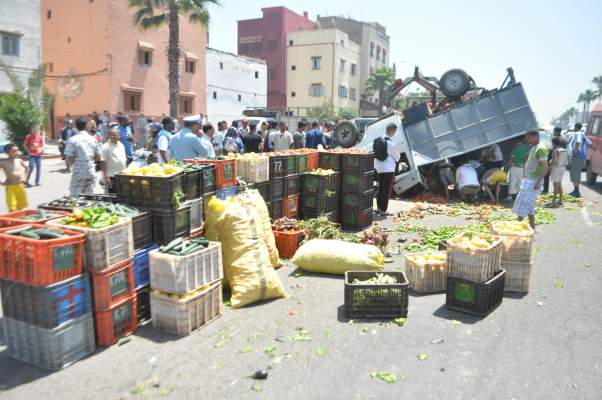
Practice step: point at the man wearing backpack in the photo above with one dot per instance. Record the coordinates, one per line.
(386, 156)
(578, 154)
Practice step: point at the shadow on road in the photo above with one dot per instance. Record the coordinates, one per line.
(298, 272)
(596, 187)
(444, 313)
(342, 317)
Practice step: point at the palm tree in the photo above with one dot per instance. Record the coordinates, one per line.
(152, 14)
(598, 82)
(586, 98)
(377, 82)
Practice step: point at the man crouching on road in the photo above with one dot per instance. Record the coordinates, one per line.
(535, 170)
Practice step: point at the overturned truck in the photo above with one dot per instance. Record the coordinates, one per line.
(469, 120)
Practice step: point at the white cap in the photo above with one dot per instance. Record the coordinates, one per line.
(193, 119)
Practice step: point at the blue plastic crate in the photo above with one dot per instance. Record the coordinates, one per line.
(225, 192)
(47, 306)
(141, 270)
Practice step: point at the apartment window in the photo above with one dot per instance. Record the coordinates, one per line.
(48, 14)
(316, 62)
(221, 65)
(378, 52)
(371, 70)
(272, 74)
(239, 97)
(50, 67)
(342, 65)
(215, 95)
(353, 69)
(244, 48)
(132, 101)
(316, 90)
(10, 44)
(186, 104)
(371, 49)
(290, 42)
(353, 94)
(256, 75)
(256, 47)
(342, 43)
(190, 66)
(342, 91)
(293, 94)
(293, 68)
(384, 54)
(69, 39)
(145, 57)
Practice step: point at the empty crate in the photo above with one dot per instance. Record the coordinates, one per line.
(170, 224)
(141, 268)
(358, 182)
(113, 284)
(116, 322)
(357, 163)
(475, 297)
(196, 213)
(356, 219)
(290, 206)
(518, 276)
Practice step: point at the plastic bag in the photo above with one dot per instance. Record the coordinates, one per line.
(336, 257)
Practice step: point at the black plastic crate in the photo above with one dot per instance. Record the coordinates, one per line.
(276, 189)
(193, 181)
(358, 200)
(283, 165)
(376, 301)
(142, 230)
(148, 191)
(330, 160)
(208, 179)
(106, 198)
(264, 189)
(475, 298)
(291, 185)
(170, 224)
(358, 163)
(143, 296)
(356, 219)
(61, 204)
(301, 164)
(321, 184)
(276, 209)
(319, 203)
(359, 182)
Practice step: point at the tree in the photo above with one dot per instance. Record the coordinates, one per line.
(152, 14)
(378, 81)
(598, 82)
(347, 113)
(586, 98)
(26, 106)
(325, 112)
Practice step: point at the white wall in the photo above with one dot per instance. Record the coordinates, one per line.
(237, 78)
(20, 17)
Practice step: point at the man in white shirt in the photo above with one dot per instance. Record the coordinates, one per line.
(113, 158)
(385, 171)
(218, 138)
(164, 138)
(492, 157)
(281, 140)
(467, 180)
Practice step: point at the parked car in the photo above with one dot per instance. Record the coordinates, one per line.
(594, 132)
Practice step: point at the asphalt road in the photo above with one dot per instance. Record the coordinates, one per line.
(544, 345)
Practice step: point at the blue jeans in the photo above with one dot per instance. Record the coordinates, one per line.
(35, 162)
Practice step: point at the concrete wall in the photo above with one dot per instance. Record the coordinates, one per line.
(324, 43)
(98, 40)
(21, 17)
(266, 37)
(235, 77)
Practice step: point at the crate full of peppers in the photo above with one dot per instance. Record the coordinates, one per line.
(184, 265)
(109, 237)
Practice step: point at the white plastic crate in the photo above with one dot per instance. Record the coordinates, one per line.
(253, 169)
(426, 277)
(105, 246)
(196, 213)
(52, 349)
(182, 274)
(181, 315)
(518, 276)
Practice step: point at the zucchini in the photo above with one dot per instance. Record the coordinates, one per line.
(49, 233)
(29, 234)
(171, 245)
(18, 230)
(191, 249)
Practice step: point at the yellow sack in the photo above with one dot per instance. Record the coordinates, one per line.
(336, 257)
(213, 210)
(247, 266)
(255, 200)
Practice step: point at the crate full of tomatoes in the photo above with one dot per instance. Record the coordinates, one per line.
(288, 235)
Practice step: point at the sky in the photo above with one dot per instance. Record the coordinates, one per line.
(554, 46)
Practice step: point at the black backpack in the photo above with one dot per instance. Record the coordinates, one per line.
(380, 149)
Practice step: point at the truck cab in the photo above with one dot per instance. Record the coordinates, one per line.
(594, 132)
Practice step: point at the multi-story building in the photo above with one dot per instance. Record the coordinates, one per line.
(323, 66)
(374, 42)
(233, 84)
(20, 42)
(104, 62)
(265, 38)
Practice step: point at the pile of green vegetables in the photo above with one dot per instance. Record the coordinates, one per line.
(320, 228)
(120, 209)
(379, 279)
(94, 218)
(184, 247)
(177, 199)
(30, 232)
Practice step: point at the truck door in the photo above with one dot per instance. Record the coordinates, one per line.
(594, 133)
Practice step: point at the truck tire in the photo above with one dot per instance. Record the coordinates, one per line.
(455, 83)
(591, 177)
(345, 134)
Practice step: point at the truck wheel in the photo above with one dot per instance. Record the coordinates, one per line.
(345, 134)
(591, 177)
(454, 83)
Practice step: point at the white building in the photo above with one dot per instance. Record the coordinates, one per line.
(233, 84)
(20, 41)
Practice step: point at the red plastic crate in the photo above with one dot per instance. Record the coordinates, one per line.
(116, 322)
(41, 262)
(225, 171)
(313, 160)
(113, 284)
(287, 242)
(290, 206)
(16, 217)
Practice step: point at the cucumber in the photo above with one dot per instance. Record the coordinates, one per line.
(29, 234)
(49, 233)
(18, 230)
(171, 245)
(191, 249)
